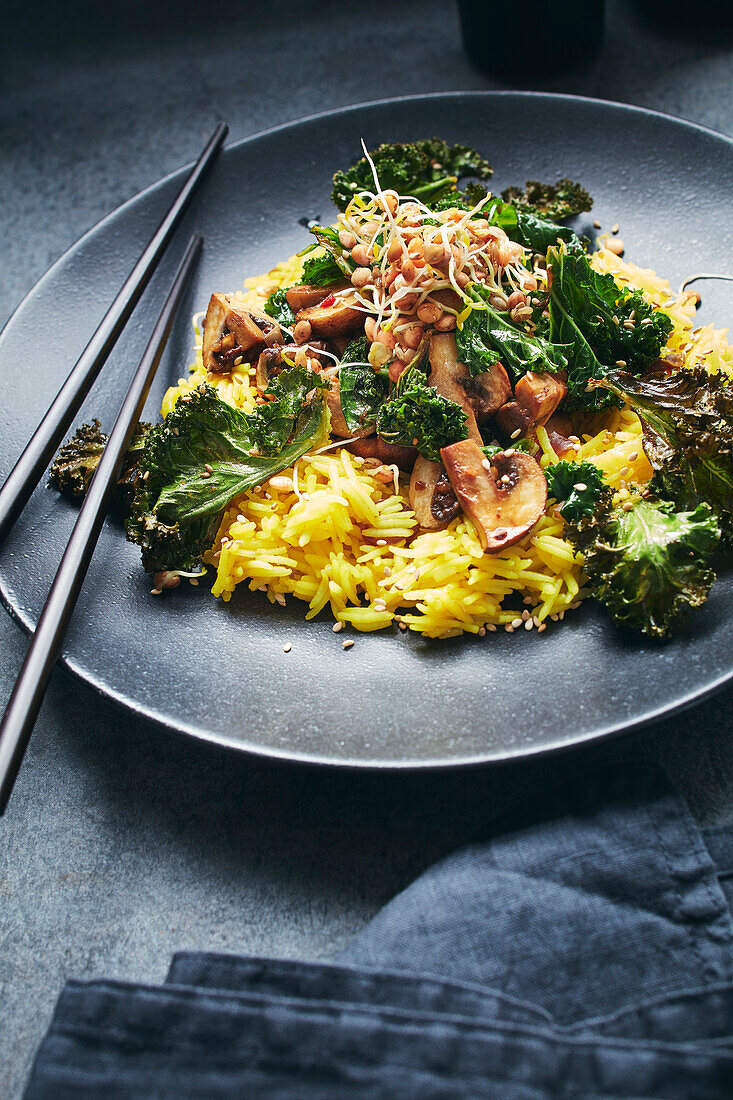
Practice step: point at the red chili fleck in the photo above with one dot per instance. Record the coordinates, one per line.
(329, 300)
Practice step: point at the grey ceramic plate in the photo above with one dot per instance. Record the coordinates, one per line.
(218, 671)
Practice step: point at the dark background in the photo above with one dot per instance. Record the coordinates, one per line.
(124, 843)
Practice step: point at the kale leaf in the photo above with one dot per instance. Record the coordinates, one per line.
(362, 391)
(588, 310)
(578, 487)
(277, 307)
(554, 201)
(488, 334)
(417, 415)
(199, 459)
(687, 421)
(647, 563)
(330, 266)
(76, 463)
(426, 169)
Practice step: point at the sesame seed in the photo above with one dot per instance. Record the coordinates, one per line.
(509, 628)
(614, 228)
(528, 625)
(505, 479)
(541, 627)
(193, 581)
(508, 453)
(537, 620)
(596, 224)
(627, 506)
(156, 591)
(516, 623)
(381, 542)
(491, 627)
(620, 362)
(515, 434)
(347, 644)
(485, 463)
(387, 571)
(205, 474)
(337, 627)
(146, 475)
(525, 615)
(633, 456)
(287, 647)
(208, 468)
(580, 486)
(402, 626)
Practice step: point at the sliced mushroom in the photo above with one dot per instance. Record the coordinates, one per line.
(504, 501)
(446, 374)
(230, 334)
(558, 428)
(431, 496)
(334, 319)
(374, 446)
(488, 391)
(540, 393)
(304, 296)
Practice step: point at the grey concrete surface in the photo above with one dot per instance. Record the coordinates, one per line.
(124, 843)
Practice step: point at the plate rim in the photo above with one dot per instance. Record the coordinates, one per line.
(506, 756)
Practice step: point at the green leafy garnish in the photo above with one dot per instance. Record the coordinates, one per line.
(76, 463)
(199, 459)
(417, 415)
(330, 266)
(588, 311)
(647, 563)
(687, 421)
(488, 334)
(361, 390)
(277, 307)
(554, 201)
(427, 170)
(577, 487)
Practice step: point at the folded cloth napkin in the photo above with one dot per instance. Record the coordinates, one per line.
(583, 949)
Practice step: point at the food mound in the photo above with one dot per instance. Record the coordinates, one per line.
(444, 413)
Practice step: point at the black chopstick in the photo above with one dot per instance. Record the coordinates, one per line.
(30, 687)
(45, 441)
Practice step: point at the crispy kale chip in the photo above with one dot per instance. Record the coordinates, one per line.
(76, 463)
(427, 170)
(488, 334)
(648, 563)
(578, 487)
(555, 201)
(687, 421)
(417, 415)
(201, 457)
(603, 322)
(277, 307)
(362, 390)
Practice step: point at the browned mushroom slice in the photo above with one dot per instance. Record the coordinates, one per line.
(446, 375)
(334, 319)
(304, 296)
(504, 501)
(431, 495)
(513, 420)
(230, 334)
(374, 446)
(558, 428)
(540, 393)
(488, 391)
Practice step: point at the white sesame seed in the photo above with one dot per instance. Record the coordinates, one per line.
(381, 542)
(287, 647)
(614, 228)
(337, 627)
(596, 224)
(633, 456)
(515, 434)
(620, 362)
(387, 571)
(580, 486)
(528, 625)
(156, 591)
(516, 623)
(402, 626)
(505, 479)
(509, 628)
(482, 632)
(491, 627)
(537, 620)
(525, 615)
(485, 463)
(541, 627)
(347, 644)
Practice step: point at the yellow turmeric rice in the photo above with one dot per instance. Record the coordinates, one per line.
(333, 532)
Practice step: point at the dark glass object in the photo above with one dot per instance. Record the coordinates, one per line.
(531, 38)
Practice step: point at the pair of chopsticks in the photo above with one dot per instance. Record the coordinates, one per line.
(30, 687)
